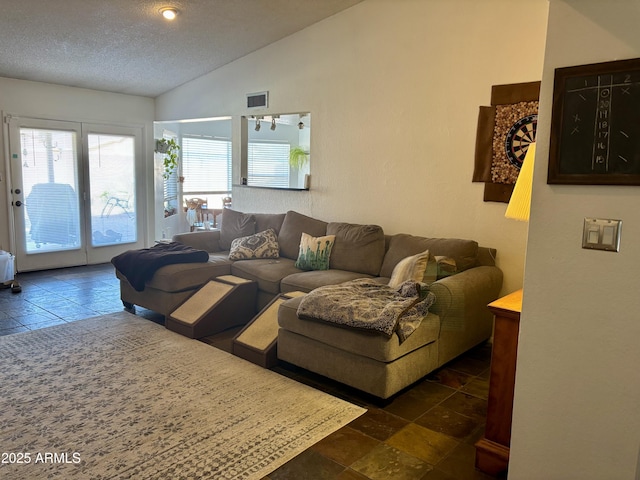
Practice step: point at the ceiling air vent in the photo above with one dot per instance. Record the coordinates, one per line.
(258, 100)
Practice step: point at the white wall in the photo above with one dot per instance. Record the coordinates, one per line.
(577, 402)
(394, 88)
(41, 100)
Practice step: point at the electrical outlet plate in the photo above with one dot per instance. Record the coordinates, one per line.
(601, 234)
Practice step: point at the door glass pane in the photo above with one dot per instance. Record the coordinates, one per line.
(112, 186)
(50, 184)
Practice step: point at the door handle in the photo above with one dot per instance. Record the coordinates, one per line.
(18, 203)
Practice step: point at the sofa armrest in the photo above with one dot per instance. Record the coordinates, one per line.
(208, 240)
(461, 303)
(464, 293)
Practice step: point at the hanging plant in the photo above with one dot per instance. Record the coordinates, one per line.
(170, 150)
(298, 157)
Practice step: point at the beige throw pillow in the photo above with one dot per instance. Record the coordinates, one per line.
(409, 268)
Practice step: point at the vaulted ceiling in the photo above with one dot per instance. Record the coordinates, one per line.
(126, 46)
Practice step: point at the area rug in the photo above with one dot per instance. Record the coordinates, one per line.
(118, 397)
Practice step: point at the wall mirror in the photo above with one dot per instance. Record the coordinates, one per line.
(278, 151)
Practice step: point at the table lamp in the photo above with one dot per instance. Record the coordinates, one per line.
(520, 202)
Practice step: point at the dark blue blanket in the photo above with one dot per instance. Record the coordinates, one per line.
(138, 266)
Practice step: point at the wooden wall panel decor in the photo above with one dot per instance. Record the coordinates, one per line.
(505, 130)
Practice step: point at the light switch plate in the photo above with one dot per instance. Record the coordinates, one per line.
(601, 234)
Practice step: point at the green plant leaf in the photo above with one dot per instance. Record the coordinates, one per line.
(298, 157)
(170, 160)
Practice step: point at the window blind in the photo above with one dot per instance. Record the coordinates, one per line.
(206, 165)
(268, 164)
(171, 186)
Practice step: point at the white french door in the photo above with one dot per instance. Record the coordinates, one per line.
(73, 188)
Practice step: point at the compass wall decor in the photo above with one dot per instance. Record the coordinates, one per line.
(595, 126)
(505, 130)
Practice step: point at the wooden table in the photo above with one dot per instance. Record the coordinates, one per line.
(492, 450)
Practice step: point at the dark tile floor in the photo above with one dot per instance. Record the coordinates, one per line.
(52, 297)
(425, 432)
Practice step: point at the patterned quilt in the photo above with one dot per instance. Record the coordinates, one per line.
(368, 305)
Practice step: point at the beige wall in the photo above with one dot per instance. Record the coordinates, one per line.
(55, 102)
(394, 88)
(577, 402)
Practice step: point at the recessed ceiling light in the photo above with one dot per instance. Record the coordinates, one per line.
(169, 13)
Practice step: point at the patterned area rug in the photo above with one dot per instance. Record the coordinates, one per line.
(118, 397)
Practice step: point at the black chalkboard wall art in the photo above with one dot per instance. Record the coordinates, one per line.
(595, 126)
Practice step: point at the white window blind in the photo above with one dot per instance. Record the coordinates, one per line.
(171, 186)
(268, 164)
(206, 165)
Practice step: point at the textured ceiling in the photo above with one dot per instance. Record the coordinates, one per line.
(125, 46)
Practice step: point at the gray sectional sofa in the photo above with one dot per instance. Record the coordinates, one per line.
(457, 321)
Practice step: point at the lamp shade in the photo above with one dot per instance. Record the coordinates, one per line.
(520, 202)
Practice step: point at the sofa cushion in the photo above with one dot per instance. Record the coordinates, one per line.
(410, 268)
(293, 226)
(307, 281)
(234, 225)
(186, 276)
(259, 245)
(315, 252)
(267, 272)
(402, 245)
(208, 240)
(358, 248)
(486, 256)
(265, 221)
(368, 344)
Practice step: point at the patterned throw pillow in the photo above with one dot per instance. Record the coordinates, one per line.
(315, 252)
(410, 268)
(260, 245)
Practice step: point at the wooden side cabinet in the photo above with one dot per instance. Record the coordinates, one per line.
(492, 450)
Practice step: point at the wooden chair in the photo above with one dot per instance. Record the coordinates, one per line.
(194, 212)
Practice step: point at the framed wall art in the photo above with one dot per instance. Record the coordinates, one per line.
(505, 130)
(595, 125)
